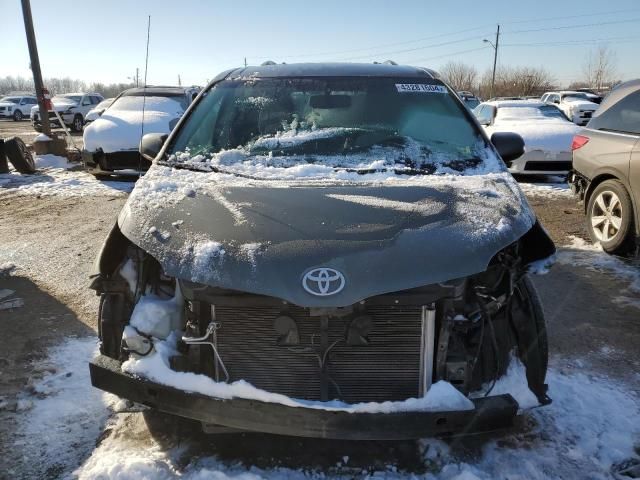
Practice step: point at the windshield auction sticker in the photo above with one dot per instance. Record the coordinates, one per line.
(420, 88)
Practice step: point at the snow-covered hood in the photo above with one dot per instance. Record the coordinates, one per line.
(581, 104)
(117, 130)
(57, 106)
(7, 104)
(263, 236)
(544, 135)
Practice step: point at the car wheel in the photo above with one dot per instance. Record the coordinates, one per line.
(527, 317)
(610, 217)
(17, 116)
(77, 123)
(19, 155)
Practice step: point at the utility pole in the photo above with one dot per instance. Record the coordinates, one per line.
(137, 77)
(35, 66)
(179, 81)
(495, 58)
(245, 62)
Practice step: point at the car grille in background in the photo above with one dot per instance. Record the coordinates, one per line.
(551, 166)
(385, 369)
(2, 109)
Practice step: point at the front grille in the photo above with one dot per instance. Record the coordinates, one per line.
(551, 166)
(586, 114)
(2, 109)
(385, 369)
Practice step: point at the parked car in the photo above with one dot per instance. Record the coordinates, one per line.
(592, 96)
(606, 176)
(325, 250)
(112, 141)
(98, 110)
(72, 107)
(546, 131)
(469, 99)
(16, 106)
(577, 106)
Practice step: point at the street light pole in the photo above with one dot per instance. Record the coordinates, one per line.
(35, 66)
(495, 59)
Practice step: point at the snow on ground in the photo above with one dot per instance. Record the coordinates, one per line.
(62, 416)
(592, 425)
(55, 178)
(551, 187)
(591, 256)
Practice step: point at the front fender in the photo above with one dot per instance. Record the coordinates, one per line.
(110, 256)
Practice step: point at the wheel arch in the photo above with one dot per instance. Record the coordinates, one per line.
(608, 175)
(112, 252)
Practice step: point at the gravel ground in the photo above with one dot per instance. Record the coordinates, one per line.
(51, 241)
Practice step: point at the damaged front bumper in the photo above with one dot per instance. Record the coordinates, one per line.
(125, 161)
(490, 413)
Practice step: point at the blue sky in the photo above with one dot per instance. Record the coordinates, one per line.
(105, 40)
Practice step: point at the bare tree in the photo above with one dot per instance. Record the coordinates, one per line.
(600, 67)
(518, 81)
(460, 76)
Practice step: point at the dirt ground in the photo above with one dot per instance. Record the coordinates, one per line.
(53, 241)
(24, 130)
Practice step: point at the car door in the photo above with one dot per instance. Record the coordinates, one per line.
(85, 105)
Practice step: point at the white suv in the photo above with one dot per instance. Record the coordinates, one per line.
(16, 106)
(575, 105)
(72, 107)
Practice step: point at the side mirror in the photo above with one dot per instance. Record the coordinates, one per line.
(509, 145)
(151, 144)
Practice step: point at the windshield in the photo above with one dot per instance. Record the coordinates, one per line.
(360, 123)
(575, 96)
(10, 99)
(174, 105)
(66, 98)
(528, 113)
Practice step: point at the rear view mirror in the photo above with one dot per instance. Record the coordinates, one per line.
(330, 101)
(509, 145)
(151, 144)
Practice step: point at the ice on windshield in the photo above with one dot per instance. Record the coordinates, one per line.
(276, 128)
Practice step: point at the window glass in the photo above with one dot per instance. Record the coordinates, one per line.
(623, 117)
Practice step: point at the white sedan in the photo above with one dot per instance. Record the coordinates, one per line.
(546, 131)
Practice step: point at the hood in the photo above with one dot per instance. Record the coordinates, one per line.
(582, 104)
(544, 135)
(117, 130)
(57, 106)
(8, 104)
(263, 236)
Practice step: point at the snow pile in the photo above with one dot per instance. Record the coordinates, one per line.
(64, 415)
(52, 161)
(54, 179)
(158, 316)
(41, 137)
(591, 256)
(514, 382)
(555, 187)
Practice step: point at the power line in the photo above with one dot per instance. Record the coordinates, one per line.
(566, 17)
(385, 45)
(394, 52)
(563, 27)
(574, 42)
(451, 54)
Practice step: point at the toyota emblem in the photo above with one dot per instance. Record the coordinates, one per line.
(323, 282)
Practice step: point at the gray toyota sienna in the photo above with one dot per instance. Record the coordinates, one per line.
(606, 164)
(326, 250)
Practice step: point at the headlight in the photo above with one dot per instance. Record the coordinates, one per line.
(9, 109)
(68, 110)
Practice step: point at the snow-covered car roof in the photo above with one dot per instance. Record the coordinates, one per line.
(515, 103)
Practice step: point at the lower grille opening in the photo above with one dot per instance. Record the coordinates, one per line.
(551, 166)
(386, 368)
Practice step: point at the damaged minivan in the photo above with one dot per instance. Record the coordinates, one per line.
(326, 250)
